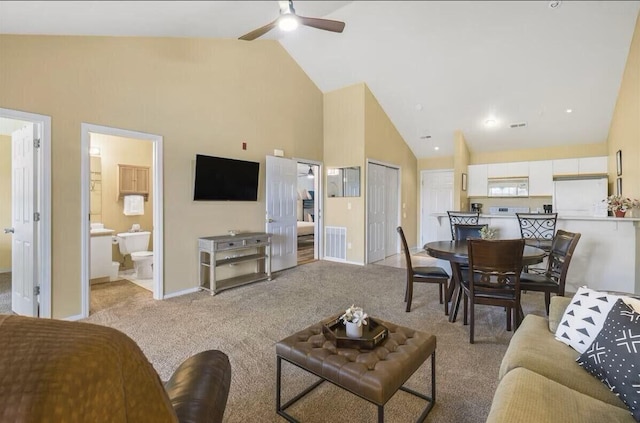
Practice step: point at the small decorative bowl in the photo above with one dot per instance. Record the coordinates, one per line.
(233, 232)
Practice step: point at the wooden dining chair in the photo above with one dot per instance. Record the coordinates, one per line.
(461, 218)
(430, 274)
(554, 278)
(493, 278)
(537, 230)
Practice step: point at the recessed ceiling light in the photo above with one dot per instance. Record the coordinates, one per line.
(418, 107)
(490, 122)
(436, 148)
(569, 110)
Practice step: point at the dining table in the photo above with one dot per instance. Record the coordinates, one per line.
(457, 253)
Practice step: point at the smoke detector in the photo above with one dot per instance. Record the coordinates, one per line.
(555, 4)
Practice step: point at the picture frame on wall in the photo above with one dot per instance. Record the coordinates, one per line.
(464, 181)
(619, 186)
(619, 162)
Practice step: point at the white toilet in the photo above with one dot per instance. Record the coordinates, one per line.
(136, 244)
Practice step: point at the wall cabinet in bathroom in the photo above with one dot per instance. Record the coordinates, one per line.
(221, 258)
(133, 180)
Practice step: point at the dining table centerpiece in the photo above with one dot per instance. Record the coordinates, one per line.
(354, 318)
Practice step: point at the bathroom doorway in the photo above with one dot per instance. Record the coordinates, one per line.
(122, 197)
(308, 210)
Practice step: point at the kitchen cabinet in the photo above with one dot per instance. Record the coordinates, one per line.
(133, 180)
(477, 180)
(541, 178)
(581, 166)
(497, 170)
(508, 170)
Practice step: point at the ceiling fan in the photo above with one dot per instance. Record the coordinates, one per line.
(309, 174)
(288, 21)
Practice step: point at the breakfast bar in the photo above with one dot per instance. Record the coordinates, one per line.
(606, 258)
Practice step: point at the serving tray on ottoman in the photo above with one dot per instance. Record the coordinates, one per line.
(372, 374)
(372, 334)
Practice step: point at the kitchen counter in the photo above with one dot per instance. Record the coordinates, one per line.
(607, 256)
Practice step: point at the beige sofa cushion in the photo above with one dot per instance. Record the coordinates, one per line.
(524, 396)
(535, 348)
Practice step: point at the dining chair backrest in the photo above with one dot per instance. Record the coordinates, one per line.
(463, 232)
(461, 218)
(405, 249)
(540, 228)
(562, 248)
(495, 266)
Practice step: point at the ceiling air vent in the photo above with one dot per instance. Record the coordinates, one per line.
(518, 125)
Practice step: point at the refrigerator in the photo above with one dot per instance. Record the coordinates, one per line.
(580, 196)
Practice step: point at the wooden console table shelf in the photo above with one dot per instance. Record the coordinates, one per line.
(216, 251)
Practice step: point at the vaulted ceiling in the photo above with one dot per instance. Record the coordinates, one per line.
(435, 67)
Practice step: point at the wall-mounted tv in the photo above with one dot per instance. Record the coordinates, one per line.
(221, 179)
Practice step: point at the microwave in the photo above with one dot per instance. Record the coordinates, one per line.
(508, 187)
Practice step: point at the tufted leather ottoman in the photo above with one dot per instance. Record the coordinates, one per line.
(374, 375)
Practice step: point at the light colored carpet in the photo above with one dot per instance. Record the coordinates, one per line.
(5, 293)
(246, 322)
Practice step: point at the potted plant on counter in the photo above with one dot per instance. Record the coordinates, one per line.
(618, 205)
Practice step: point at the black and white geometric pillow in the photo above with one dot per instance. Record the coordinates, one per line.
(584, 317)
(614, 356)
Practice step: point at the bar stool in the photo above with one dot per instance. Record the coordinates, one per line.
(537, 230)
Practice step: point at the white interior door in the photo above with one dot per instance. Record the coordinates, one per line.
(376, 218)
(391, 210)
(281, 199)
(437, 197)
(23, 199)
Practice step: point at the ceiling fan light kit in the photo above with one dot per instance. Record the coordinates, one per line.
(289, 21)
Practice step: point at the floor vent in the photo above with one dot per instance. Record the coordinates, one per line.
(518, 125)
(335, 243)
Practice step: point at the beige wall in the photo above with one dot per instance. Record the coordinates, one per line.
(5, 206)
(460, 163)
(203, 96)
(547, 153)
(624, 133)
(344, 130)
(115, 151)
(384, 143)
(435, 163)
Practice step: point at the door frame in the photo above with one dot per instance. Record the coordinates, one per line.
(43, 185)
(158, 201)
(318, 207)
(366, 205)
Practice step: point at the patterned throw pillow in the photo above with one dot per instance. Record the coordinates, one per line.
(614, 356)
(584, 317)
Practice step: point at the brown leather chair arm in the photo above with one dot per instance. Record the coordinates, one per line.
(199, 387)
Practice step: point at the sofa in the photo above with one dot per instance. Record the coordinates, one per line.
(540, 380)
(60, 371)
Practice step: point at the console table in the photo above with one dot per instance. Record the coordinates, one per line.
(216, 251)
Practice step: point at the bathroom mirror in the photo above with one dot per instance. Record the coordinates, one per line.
(343, 181)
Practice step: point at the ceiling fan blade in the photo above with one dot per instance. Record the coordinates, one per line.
(259, 32)
(326, 24)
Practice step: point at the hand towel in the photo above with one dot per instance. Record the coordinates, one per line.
(133, 205)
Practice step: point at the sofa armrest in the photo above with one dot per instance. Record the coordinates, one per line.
(199, 387)
(556, 311)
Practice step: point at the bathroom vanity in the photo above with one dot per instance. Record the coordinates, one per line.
(228, 261)
(101, 241)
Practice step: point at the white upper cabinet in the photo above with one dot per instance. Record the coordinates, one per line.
(498, 170)
(517, 169)
(591, 165)
(477, 180)
(582, 166)
(565, 167)
(541, 178)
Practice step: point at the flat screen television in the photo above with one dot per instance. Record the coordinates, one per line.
(221, 179)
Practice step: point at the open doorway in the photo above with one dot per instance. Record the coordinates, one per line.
(122, 195)
(308, 177)
(25, 213)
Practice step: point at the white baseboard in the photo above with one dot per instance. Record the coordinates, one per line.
(5, 270)
(342, 261)
(180, 293)
(73, 318)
